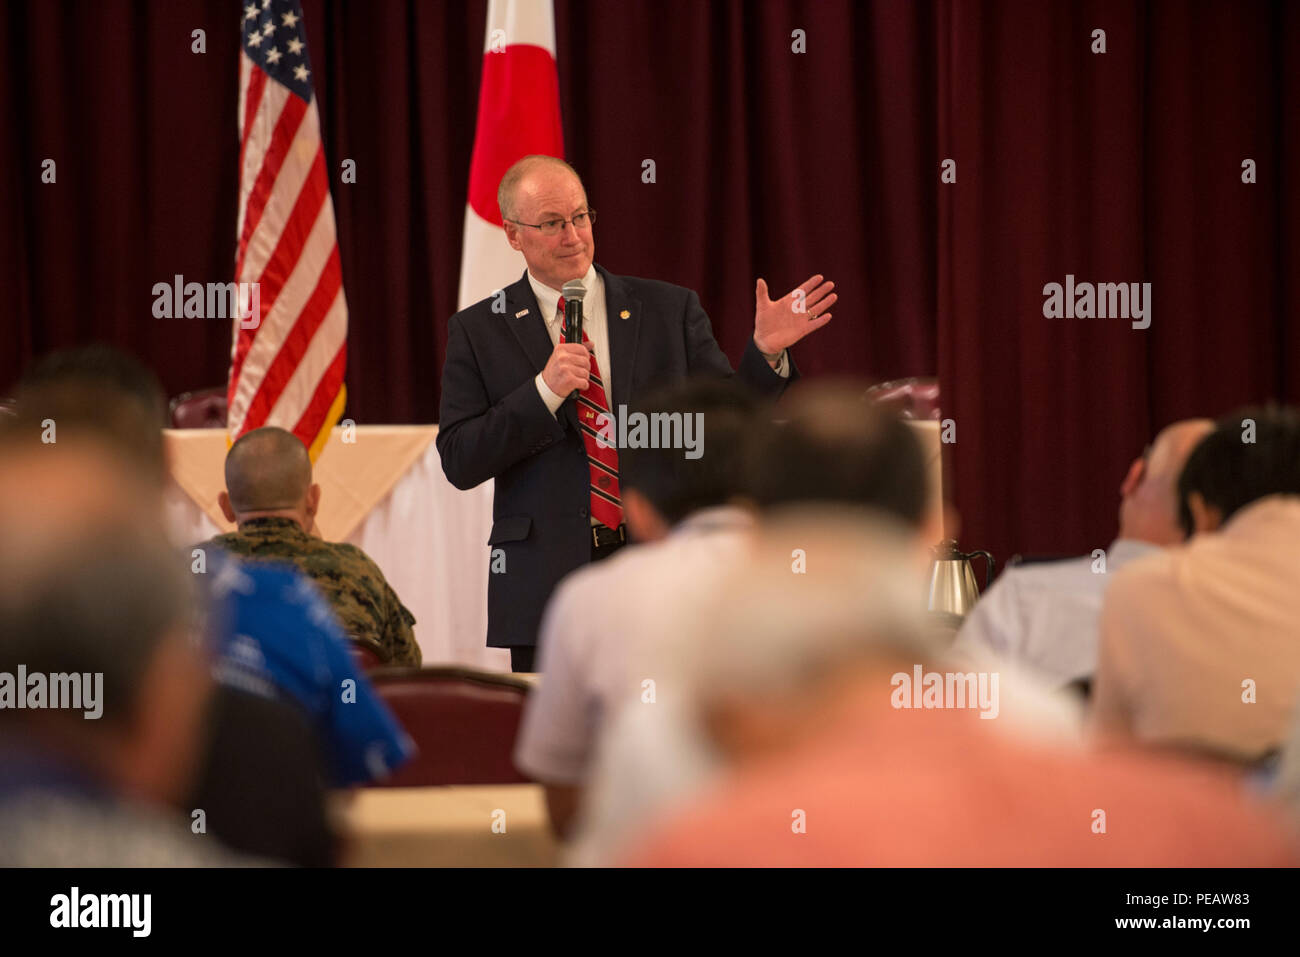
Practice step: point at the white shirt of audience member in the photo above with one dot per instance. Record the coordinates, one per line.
(1044, 616)
(595, 628)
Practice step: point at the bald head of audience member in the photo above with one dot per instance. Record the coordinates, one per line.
(1251, 454)
(91, 592)
(1148, 510)
(268, 475)
(834, 447)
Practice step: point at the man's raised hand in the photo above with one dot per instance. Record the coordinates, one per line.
(780, 324)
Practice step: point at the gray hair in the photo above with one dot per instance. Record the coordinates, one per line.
(818, 589)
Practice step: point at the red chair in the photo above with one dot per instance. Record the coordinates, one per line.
(204, 409)
(464, 722)
(914, 398)
(367, 656)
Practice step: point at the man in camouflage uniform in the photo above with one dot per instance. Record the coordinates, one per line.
(271, 497)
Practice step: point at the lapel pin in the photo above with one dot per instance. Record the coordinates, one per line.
(521, 312)
(625, 314)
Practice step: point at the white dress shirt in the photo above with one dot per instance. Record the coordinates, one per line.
(595, 325)
(1045, 616)
(600, 623)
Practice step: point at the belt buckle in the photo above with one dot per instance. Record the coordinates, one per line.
(597, 529)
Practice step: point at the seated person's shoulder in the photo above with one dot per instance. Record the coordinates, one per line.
(1147, 571)
(230, 542)
(352, 557)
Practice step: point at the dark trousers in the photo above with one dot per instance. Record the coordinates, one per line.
(523, 658)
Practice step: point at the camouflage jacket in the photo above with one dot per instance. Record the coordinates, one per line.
(368, 609)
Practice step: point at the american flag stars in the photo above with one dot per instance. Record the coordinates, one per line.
(283, 56)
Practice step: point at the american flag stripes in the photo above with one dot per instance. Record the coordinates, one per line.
(287, 367)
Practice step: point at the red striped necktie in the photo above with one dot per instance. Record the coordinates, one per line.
(602, 462)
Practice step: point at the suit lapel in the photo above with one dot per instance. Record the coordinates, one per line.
(524, 317)
(622, 323)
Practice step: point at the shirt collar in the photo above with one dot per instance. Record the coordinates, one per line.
(270, 523)
(714, 518)
(548, 299)
(1124, 550)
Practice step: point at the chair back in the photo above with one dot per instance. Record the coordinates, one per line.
(204, 409)
(464, 722)
(913, 398)
(366, 655)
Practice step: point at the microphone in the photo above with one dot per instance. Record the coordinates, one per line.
(574, 292)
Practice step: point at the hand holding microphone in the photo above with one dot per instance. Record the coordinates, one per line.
(572, 295)
(568, 369)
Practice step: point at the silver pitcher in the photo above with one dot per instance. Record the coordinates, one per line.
(952, 580)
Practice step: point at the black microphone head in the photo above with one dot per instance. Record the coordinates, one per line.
(574, 291)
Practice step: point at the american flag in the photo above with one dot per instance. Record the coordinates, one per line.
(286, 367)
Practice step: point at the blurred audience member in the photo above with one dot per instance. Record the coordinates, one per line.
(1200, 644)
(93, 603)
(803, 688)
(99, 392)
(601, 616)
(276, 637)
(271, 497)
(260, 782)
(1044, 615)
(831, 447)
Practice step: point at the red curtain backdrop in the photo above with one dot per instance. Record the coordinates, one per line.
(1115, 167)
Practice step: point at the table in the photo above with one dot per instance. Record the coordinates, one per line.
(383, 490)
(446, 827)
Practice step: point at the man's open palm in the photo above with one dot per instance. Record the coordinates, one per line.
(781, 323)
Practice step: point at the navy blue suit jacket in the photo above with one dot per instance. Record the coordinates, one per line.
(494, 424)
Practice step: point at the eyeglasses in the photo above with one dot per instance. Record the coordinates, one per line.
(553, 227)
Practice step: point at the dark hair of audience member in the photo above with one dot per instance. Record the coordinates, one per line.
(97, 391)
(833, 446)
(677, 485)
(1230, 471)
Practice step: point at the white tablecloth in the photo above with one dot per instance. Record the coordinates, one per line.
(430, 539)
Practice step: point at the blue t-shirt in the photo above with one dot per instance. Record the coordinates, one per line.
(275, 635)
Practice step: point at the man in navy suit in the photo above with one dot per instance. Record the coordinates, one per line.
(522, 406)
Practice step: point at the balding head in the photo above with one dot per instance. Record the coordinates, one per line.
(1148, 510)
(268, 473)
(544, 189)
(523, 175)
